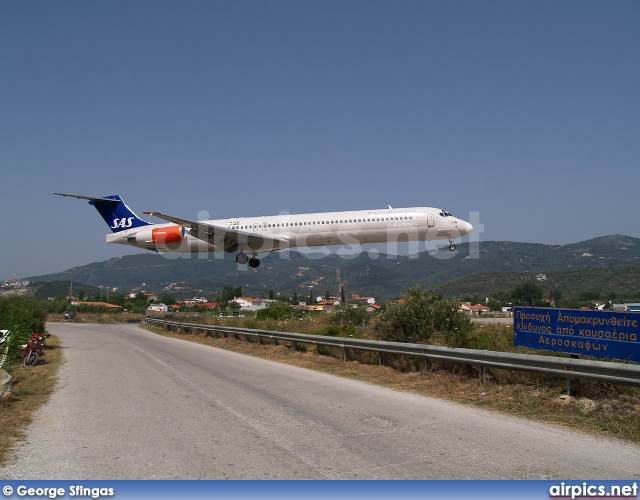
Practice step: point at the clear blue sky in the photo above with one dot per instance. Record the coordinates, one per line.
(524, 112)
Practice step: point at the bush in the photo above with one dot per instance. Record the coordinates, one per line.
(276, 310)
(347, 330)
(418, 315)
(21, 316)
(354, 315)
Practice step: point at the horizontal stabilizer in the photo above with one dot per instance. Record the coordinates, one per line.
(91, 198)
(113, 210)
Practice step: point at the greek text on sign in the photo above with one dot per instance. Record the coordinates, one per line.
(600, 334)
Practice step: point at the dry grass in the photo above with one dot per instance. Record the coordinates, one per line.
(31, 389)
(105, 317)
(601, 409)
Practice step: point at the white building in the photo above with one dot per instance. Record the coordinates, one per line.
(627, 307)
(158, 308)
(250, 304)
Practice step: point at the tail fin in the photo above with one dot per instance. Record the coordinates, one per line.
(114, 211)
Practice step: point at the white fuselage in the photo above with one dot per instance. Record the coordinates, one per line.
(303, 230)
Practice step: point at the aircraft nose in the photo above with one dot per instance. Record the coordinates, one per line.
(466, 227)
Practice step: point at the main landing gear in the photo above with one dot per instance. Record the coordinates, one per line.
(452, 247)
(243, 258)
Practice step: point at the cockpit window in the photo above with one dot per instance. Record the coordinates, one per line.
(444, 213)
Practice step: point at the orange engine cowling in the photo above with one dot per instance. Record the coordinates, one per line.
(166, 235)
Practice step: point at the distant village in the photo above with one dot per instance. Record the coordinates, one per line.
(15, 283)
(245, 304)
(252, 304)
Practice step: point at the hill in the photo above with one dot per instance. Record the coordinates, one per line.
(368, 272)
(45, 289)
(623, 281)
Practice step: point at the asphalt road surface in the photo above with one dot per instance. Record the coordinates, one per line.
(131, 404)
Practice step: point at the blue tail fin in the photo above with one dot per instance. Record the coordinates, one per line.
(114, 211)
(117, 214)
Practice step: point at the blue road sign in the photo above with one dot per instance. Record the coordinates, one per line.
(599, 334)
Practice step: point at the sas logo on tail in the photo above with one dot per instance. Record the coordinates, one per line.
(123, 223)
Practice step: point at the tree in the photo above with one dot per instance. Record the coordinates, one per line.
(527, 294)
(556, 296)
(495, 305)
(418, 315)
(230, 293)
(167, 299)
(589, 296)
(502, 296)
(353, 315)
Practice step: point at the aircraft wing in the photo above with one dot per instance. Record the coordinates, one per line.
(230, 239)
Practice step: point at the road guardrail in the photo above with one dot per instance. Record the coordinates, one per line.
(568, 368)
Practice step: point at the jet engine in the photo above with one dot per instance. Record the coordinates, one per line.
(160, 238)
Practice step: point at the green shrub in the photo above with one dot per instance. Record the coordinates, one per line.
(418, 315)
(276, 310)
(21, 316)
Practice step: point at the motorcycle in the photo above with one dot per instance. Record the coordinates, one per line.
(33, 350)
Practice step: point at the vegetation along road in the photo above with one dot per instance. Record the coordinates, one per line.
(133, 404)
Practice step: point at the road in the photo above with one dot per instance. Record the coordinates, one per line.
(131, 404)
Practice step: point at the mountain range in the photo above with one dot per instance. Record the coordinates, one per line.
(609, 263)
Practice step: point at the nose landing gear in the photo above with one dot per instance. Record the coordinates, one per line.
(452, 247)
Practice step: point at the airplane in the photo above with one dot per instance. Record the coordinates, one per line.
(246, 236)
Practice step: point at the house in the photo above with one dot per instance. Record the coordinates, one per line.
(627, 307)
(331, 298)
(312, 307)
(362, 300)
(476, 310)
(249, 303)
(328, 305)
(158, 308)
(372, 308)
(148, 296)
(480, 309)
(195, 301)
